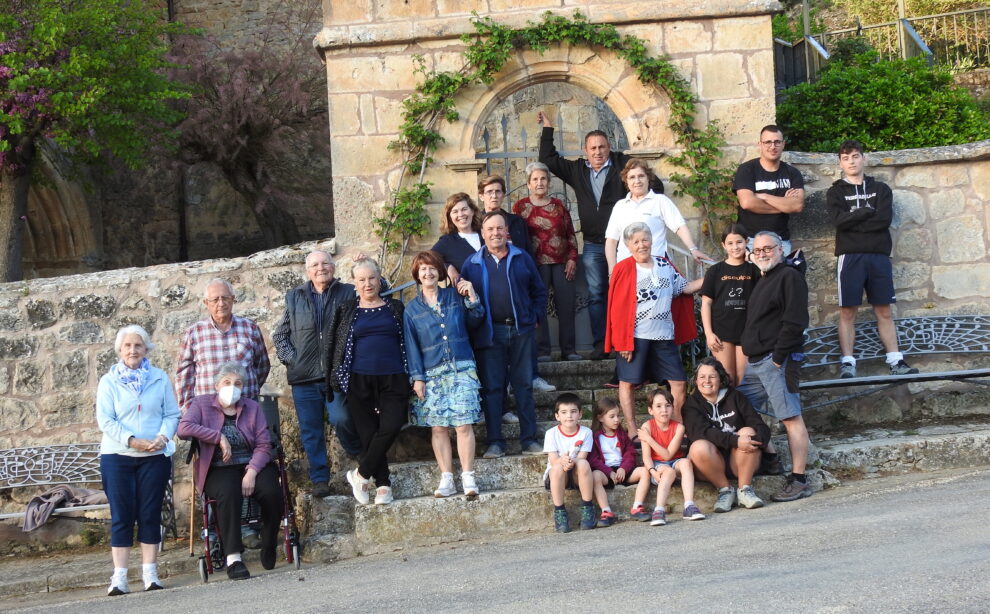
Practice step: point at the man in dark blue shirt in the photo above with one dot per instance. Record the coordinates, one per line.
(513, 294)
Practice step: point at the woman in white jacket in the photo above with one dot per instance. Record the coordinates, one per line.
(138, 414)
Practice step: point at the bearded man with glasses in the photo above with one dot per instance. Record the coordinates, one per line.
(768, 189)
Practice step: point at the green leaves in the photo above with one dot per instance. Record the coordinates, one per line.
(896, 104)
(488, 49)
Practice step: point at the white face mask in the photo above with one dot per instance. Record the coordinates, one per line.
(229, 395)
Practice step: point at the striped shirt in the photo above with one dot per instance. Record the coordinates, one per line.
(205, 348)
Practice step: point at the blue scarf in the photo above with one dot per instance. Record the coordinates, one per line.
(132, 378)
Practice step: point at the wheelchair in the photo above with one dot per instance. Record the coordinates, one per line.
(213, 558)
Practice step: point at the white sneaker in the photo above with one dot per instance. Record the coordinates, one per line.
(748, 498)
(510, 417)
(383, 496)
(151, 581)
(118, 585)
(446, 487)
(359, 486)
(542, 385)
(468, 483)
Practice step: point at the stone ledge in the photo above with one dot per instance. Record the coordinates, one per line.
(978, 150)
(333, 37)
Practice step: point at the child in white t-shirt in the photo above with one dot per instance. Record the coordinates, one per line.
(613, 457)
(567, 446)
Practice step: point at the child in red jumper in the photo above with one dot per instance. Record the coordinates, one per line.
(661, 441)
(613, 456)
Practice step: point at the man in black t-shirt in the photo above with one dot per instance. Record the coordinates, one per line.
(769, 190)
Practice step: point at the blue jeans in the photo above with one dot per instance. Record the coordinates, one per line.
(312, 411)
(596, 275)
(765, 383)
(135, 488)
(509, 359)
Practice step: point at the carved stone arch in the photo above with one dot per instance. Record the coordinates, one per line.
(644, 111)
(61, 234)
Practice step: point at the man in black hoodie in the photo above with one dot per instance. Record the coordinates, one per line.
(861, 210)
(773, 341)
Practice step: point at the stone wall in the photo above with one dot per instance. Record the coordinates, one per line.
(722, 48)
(57, 336)
(941, 229)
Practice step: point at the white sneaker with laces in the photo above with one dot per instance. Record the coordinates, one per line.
(359, 486)
(468, 484)
(542, 385)
(510, 417)
(445, 489)
(383, 496)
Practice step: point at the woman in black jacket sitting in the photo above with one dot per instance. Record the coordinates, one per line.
(725, 433)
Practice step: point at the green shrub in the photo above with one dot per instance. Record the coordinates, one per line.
(897, 104)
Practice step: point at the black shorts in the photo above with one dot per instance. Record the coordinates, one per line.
(609, 484)
(872, 272)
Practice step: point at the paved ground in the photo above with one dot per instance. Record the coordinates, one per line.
(916, 543)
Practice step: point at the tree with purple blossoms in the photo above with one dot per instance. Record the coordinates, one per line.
(260, 115)
(88, 74)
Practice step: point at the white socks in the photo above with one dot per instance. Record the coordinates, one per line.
(894, 357)
(849, 360)
(233, 558)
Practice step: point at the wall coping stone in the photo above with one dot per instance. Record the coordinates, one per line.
(978, 150)
(621, 13)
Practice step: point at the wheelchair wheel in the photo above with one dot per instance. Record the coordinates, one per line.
(203, 574)
(296, 560)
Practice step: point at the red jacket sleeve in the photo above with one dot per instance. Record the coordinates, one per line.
(629, 460)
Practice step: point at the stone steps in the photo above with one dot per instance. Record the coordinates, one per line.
(428, 521)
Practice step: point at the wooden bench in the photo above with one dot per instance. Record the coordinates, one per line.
(916, 337)
(65, 464)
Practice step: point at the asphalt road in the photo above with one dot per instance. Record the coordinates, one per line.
(918, 543)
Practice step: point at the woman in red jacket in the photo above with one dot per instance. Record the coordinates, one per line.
(235, 454)
(639, 325)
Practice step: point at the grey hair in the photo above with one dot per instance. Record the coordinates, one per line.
(366, 263)
(319, 251)
(133, 329)
(769, 233)
(634, 228)
(215, 281)
(532, 167)
(230, 368)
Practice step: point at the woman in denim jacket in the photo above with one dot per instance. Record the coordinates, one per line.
(442, 368)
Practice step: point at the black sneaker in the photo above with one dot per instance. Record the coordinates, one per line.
(588, 520)
(902, 368)
(321, 489)
(238, 571)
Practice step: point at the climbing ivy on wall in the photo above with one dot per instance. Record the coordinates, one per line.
(488, 49)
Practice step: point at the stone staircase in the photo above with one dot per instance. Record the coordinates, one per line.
(512, 500)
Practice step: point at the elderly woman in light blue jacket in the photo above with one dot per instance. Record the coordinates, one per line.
(442, 368)
(138, 414)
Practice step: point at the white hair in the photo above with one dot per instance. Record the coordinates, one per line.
(367, 263)
(133, 329)
(636, 227)
(319, 251)
(230, 368)
(215, 281)
(532, 167)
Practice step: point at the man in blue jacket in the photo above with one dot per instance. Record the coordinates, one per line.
(513, 294)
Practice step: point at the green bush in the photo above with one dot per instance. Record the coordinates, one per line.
(897, 104)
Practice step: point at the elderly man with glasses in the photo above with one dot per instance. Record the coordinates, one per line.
(768, 189)
(773, 342)
(220, 338)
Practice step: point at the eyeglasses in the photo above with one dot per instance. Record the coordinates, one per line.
(777, 143)
(493, 192)
(220, 299)
(764, 250)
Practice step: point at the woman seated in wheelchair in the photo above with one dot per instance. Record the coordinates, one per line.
(235, 461)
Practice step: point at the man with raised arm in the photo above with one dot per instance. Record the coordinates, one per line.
(768, 189)
(597, 185)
